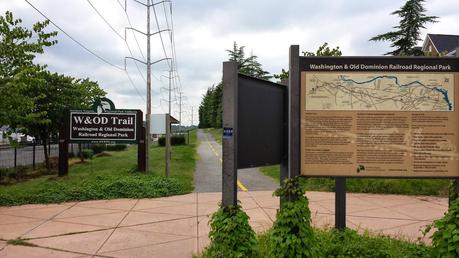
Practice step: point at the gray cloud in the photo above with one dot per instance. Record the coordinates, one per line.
(204, 29)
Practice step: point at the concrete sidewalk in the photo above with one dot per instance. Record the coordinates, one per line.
(177, 226)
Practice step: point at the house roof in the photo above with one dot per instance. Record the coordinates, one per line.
(443, 42)
(174, 120)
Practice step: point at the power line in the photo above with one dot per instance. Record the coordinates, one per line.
(86, 48)
(161, 37)
(132, 83)
(130, 24)
(73, 39)
(119, 35)
(106, 22)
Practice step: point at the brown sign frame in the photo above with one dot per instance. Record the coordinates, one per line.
(377, 65)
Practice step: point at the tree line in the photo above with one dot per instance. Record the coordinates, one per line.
(33, 100)
(403, 40)
(211, 107)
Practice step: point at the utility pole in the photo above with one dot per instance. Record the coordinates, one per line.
(168, 130)
(192, 116)
(148, 116)
(180, 111)
(148, 63)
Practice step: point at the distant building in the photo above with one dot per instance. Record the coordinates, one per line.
(437, 44)
(20, 137)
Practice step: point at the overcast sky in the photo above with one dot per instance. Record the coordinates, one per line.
(203, 30)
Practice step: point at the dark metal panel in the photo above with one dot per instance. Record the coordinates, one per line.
(261, 106)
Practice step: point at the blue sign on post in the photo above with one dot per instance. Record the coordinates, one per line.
(227, 132)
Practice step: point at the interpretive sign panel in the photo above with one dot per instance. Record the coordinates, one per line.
(108, 127)
(379, 117)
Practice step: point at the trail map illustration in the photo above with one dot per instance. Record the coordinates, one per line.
(379, 91)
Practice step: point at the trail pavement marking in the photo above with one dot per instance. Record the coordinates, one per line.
(239, 184)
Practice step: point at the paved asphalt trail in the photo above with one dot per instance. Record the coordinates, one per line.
(208, 176)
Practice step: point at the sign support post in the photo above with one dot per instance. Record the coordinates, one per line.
(293, 141)
(141, 135)
(284, 155)
(229, 166)
(456, 181)
(64, 146)
(340, 203)
(141, 157)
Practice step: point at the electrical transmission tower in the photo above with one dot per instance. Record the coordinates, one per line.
(148, 63)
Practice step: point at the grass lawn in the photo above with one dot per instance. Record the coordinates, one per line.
(110, 177)
(217, 133)
(438, 187)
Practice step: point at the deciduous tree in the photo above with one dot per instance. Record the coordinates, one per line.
(323, 50)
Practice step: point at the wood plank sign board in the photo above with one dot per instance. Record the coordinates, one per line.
(379, 117)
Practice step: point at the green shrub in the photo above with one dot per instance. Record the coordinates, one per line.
(175, 140)
(231, 234)
(116, 147)
(349, 243)
(445, 241)
(98, 148)
(92, 188)
(292, 234)
(87, 153)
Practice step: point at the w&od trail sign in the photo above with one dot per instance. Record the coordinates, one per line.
(102, 124)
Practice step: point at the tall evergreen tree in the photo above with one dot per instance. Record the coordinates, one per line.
(406, 35)
(247, 65)
(211, 107)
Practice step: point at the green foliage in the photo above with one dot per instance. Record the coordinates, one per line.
(19, 45)
(56, 94)
(116, 147)
(406, 35)
(18, 48)
(109, 177)
(324, 50)
(93, 188)
(87, 153)
(348, 243)
(32, 99)
(282, 76)
(445, 241)
(437, 187)
(217, 134)
(292, 234)
(98, 148)
(231, 234)
(247, 65)
(175, 140)
(211, 107)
